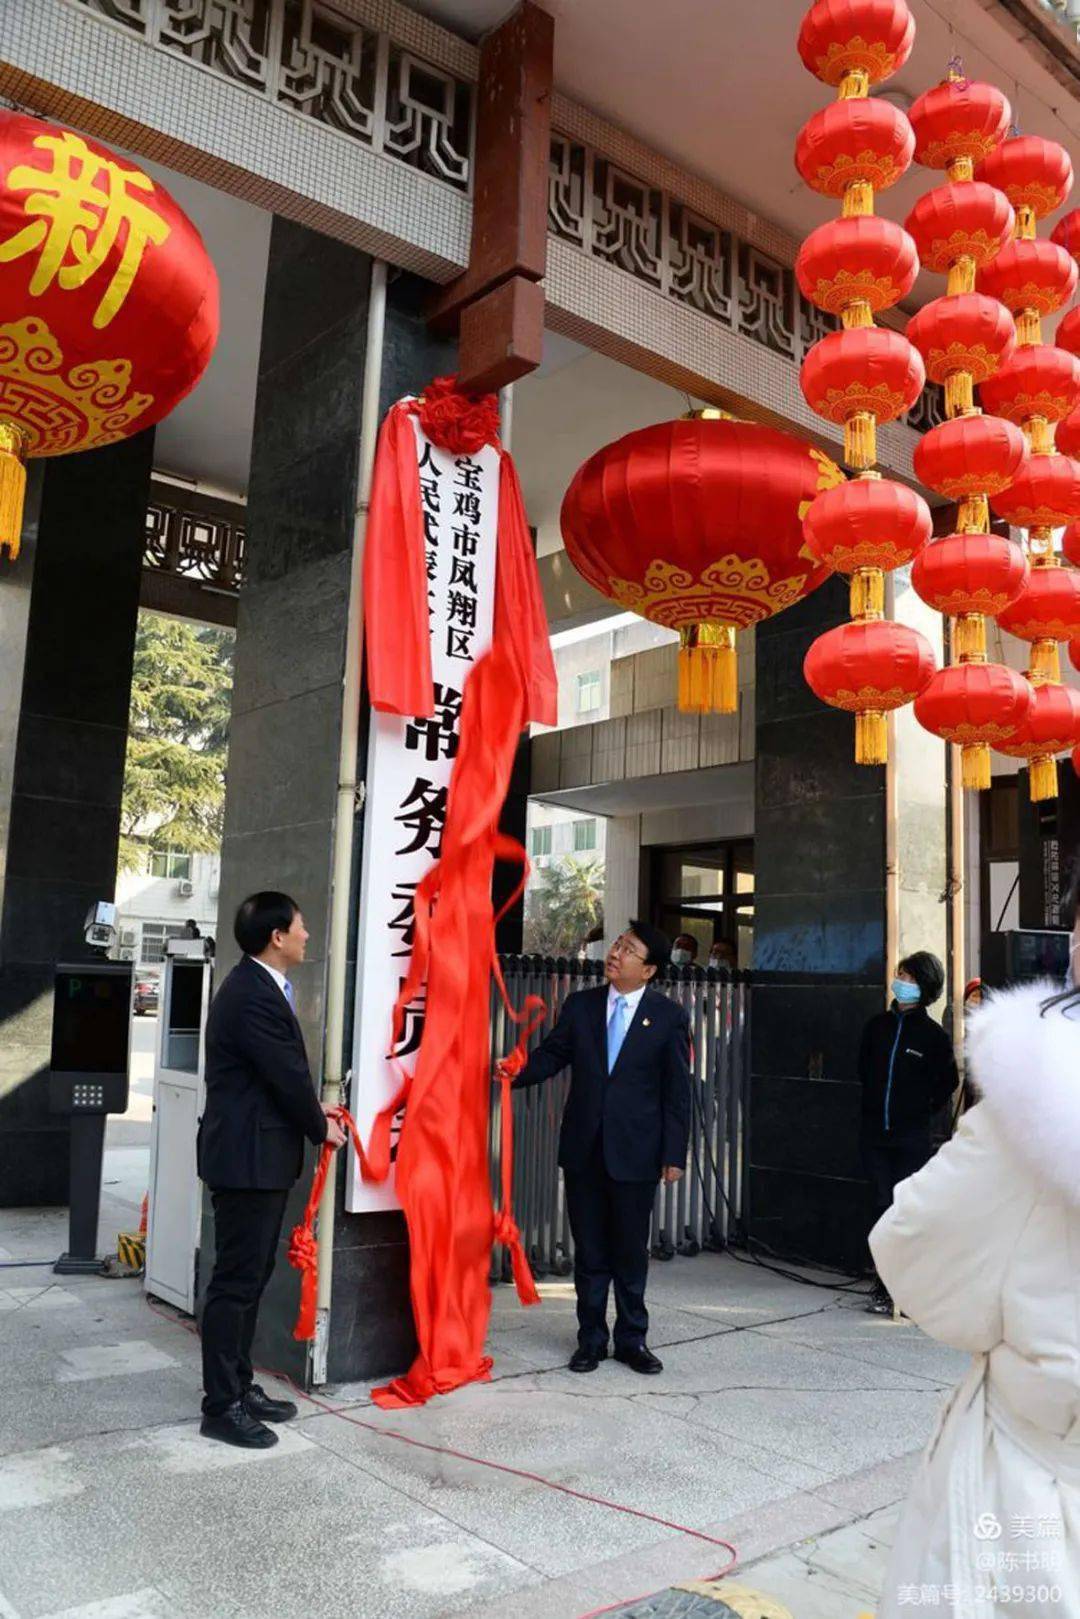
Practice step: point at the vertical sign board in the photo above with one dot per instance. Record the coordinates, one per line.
(408, 774)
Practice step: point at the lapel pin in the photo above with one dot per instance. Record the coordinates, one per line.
(645, 1022)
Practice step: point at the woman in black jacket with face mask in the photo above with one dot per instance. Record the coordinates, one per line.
(908, 1072)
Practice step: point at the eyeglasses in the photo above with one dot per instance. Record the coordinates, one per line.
(623, 947)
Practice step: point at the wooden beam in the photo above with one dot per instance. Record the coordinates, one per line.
(509, 230)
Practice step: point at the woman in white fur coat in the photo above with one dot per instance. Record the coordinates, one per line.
(982, 1249)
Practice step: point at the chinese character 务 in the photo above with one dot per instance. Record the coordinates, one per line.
(78, 211)
(425, 812)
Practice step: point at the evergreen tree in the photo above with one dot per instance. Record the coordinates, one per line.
(564, 906)
(178, 737)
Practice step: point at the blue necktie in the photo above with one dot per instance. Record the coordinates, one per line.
(616, 1031)
(290, 996)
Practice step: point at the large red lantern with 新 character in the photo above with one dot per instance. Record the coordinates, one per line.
(868, 668)
(857, 267)
(858, 379)
(860, 41)
(108, 301)
(976, 706)
(697, 525)
(1052, 727)
(958, 123)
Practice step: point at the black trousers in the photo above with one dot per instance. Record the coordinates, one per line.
(247, 1226)
(889, 1159)
(610, 1223)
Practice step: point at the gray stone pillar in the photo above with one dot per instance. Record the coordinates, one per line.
(287, 707)
(68, 613)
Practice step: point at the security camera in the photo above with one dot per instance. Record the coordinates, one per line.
(99, 929)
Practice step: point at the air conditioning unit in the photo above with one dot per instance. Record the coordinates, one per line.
(185, 888)
(128, 936)
(125, 955)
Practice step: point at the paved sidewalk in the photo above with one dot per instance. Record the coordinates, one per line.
(787, 1421)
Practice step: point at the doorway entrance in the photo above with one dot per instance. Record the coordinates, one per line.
(707, 890)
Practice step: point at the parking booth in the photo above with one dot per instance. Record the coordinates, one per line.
(174, 1209)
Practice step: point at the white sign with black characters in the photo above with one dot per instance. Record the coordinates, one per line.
(408, 775)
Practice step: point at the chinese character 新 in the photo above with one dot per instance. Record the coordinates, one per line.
(78, 209)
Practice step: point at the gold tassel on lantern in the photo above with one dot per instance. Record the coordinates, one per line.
(1028, 328)
(867, 597)
(975, 766)
(860, 440)
(959, 394)
(854, 86)
(1044, 780)
(858, 200)
(1024, 230)
(708, 670)
(969, 637)
(973, 515)
(1040, 435)
(961, 275)
(12, 488)
(871, 738)
(857, 313)
(1045, 664)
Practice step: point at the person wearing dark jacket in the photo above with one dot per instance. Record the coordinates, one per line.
(626, 1125)
(260, 1106)
(908, 1072)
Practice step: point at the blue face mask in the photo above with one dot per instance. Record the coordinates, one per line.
(904, 993)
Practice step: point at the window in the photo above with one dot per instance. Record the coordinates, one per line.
(588, 692)
(540, 840)
(170, 865)
(154, 935)
(584, 836)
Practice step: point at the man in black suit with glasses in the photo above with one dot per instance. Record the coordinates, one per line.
(261, 1103)
(626, 1127)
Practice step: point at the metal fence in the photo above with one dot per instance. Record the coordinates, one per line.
(699, 1211)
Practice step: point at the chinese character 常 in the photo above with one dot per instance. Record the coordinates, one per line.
(438, 735)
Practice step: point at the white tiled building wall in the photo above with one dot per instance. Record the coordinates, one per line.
(151, 908)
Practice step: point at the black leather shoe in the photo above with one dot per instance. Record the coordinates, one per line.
(640, 1360)
(258, 1404)
(235, 1426)
(586, 1360)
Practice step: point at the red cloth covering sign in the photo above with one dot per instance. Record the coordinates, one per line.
(449, 573)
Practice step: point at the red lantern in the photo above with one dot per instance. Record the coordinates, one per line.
(958, 228)
(962, 339)
(970, 577)
(697, 525)
(864, 41)
(868, 669)
(109, 300)
(1052, 727)
(864, 528)
(959, 122)
(1035, 174)
(1040, 382)
(1046, 611)
(976, 706)
(1076, 760)
(1067, 335)
(1044, 494)
(1031, 279)
(1067, 437)
(1074, 654)
(971, 456)
(859, 378)
(850, 149)
(1070, 550)
(1066, 233)
(856, 267)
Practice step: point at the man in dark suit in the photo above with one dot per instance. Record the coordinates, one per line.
(626, 1125)
(260, 1105)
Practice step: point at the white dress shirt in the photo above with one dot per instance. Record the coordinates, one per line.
(633, 1001)
(278, 977)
